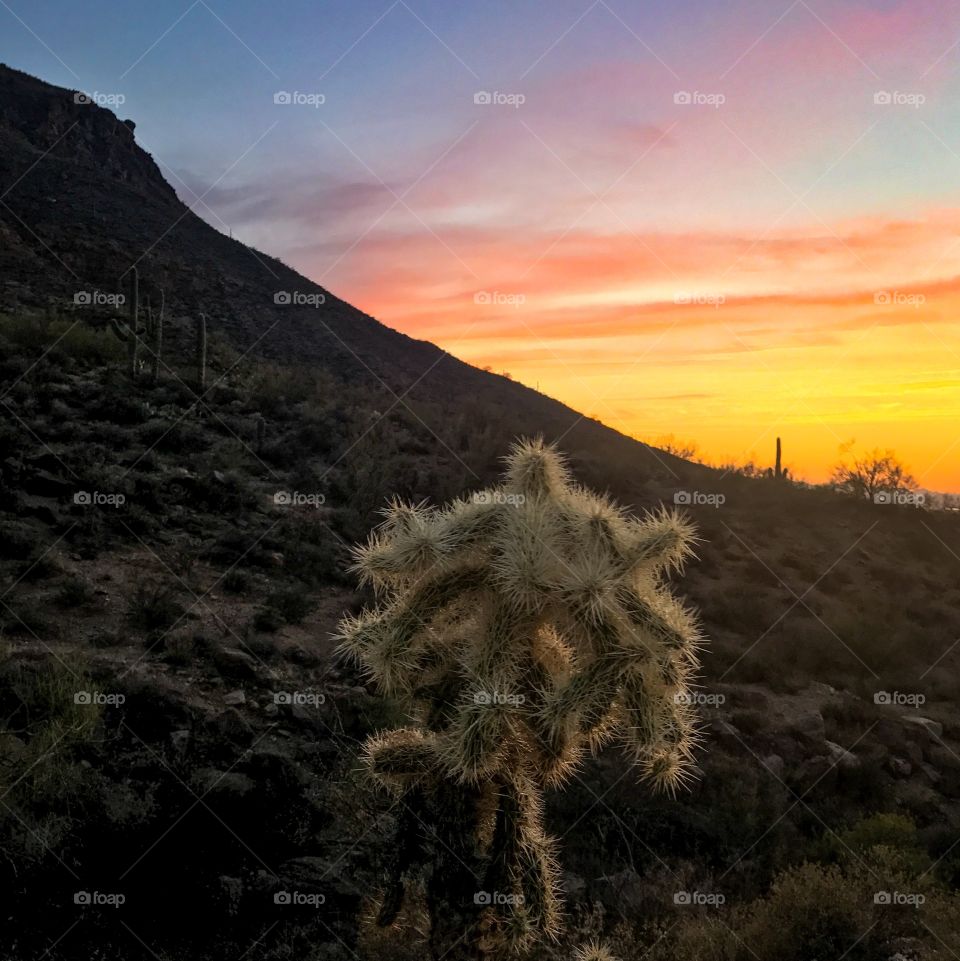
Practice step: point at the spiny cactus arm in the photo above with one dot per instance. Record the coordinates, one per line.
(662, 540)
(476, 742)
(660, 730)
(535, 470)
(659, 620)
(400, 758)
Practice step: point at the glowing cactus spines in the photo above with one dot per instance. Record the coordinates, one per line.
(521, 628)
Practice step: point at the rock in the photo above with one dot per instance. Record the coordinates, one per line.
(775, 765)
(50, 485)
(815, 772)
(808, 726)
(933, 728)
(316, 875)
(231, 891)
(225, 783)
(573, 886)
(180, 739)
(233, 662)
(623, 892)
(900, 767)
(235, 697)
(841, 757)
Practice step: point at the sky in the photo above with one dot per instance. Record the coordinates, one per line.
(725, 222)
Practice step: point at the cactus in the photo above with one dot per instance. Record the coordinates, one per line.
(520, 629)
(261, 431)
(202, 351)
(778, 472)
(155, 333)
(130, 333)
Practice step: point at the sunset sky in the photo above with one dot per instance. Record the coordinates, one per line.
(780, 255)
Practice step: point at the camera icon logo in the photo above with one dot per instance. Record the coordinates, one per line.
(282, 97)
(82, 98)
(83, 697)
(282, 498)
(883, 98)
(882, 298)
(83, 298)
(482, 98)
(482, 698)
(283, 697)
(82, 498)
(682, 498)
(683, 97)
(682, 898)
(883, 497)
(483, 898)
(282, 298)
(882, 897)
(282, 897)
(82, 897)
(482, 297)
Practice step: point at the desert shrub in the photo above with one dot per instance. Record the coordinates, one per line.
(292, 603)
(235, 582)
(268, 619)
(74, 592)
(154, 607)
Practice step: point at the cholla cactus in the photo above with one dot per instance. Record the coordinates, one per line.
(522, 628)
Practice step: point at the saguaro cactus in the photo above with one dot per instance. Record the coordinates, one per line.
(131, 331)
(521, 628)
(778, 472)
(202, 351)
(155, 333)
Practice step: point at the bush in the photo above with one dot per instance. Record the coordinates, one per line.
(154, 608)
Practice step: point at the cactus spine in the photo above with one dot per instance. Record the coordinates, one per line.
(202, 351)
(521, 629)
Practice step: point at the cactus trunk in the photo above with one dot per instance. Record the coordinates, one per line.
(133, 341)
(202, 351)
(778, 472)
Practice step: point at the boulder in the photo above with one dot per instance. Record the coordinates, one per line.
(933, 728)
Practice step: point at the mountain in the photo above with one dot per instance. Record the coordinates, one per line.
(178, 749)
